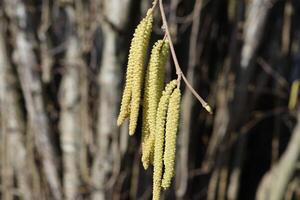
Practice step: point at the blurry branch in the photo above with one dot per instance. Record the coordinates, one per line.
(70, 121)
(275, 182)
(225, 175)
(220, 123)
(107, 156)
(46, 58)
(85, 34)
(255, 119)
(286, 29)
(173, 24)
(187, 105)
(223, 183)
(213, 185)
(253, 29)
(86, 13)
(241, 140)
(13, 129)
(293, 188)
(27, 67)
(135, 176)
(5, 133)
(270, 71)
(188, 19)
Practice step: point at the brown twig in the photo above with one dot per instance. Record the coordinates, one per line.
(177, 66)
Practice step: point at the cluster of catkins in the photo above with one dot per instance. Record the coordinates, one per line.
(160, 108)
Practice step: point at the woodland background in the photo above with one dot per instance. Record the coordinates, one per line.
(62, 65)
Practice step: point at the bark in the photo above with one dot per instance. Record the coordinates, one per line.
(187, 105)
(275, 182)
(109, 76)
(13, 128)
(71, 131)
(26, 62)
(254, 28)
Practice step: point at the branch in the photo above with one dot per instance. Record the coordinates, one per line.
(177, 66)
(274, 184)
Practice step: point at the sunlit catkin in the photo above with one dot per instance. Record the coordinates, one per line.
(145, 123)
(160, 137)
(153, 90)
(170, 139)
(294, 94)
(125, 103)
(142, 36)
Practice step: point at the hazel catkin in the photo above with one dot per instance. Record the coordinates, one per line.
(142, 36)
(126, 98)
(153, 90)
(160, 137)
(170, 139)
(134, 75)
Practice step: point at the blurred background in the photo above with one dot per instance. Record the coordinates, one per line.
(62, 69)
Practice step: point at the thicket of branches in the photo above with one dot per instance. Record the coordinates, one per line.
(62, 69)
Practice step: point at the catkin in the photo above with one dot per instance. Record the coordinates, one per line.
(142, 36)
(135, 67)
(125, 103)
(294, 94)
(145, 123)
(170, 139)
(159, 138)
(153, 90)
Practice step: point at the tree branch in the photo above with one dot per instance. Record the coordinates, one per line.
(177, 66)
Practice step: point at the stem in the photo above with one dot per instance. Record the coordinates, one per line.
(166, 27)
(177, 66)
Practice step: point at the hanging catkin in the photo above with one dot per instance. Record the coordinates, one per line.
(153, 90)
(137, 76)
(126, 97)
(134, 75)
(145, 125)
(170, 139)
(160, 137)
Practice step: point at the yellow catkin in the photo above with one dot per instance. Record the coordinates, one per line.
(125, 103)
(153, 90)
(145, 125)
(159, 138)
(142, 36)
(294, 94)
(170, 139)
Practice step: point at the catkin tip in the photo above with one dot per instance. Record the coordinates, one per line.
(119, 122)
(125, 104)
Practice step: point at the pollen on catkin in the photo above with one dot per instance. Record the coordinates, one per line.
(153, 90)
(145, 123)
(159, 138)
(170, 139)
(126, 97)
(142, 36)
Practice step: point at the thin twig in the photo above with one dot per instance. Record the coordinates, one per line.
(166, 27)
(177, 66)
(270, 71)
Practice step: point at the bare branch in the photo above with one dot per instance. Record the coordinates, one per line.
(178, 69)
